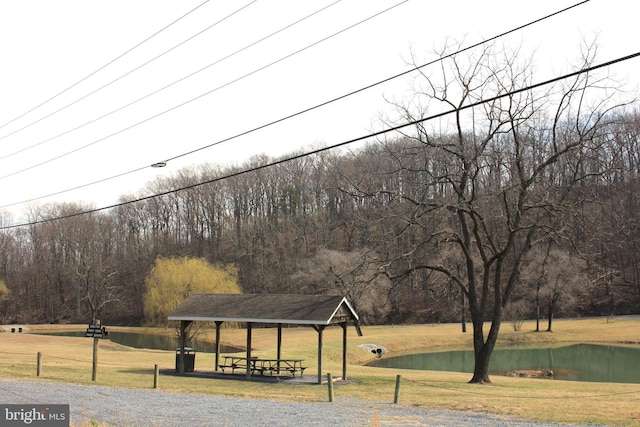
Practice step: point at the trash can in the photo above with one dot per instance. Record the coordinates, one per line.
(189, 359)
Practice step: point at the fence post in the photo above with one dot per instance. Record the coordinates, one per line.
(330, 386)
(38, 364)
(155, 376)
(396, 396)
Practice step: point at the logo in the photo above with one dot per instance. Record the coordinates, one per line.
(34, 415)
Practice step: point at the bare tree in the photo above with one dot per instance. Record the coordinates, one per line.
(350, 274)
(557, 278)
(94, 268)
(482, 183)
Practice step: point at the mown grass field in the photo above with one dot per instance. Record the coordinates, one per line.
(66, 359)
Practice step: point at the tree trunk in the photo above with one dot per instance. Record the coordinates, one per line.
(464, 316)
(482, 352)
(538, 309)
(481, 366)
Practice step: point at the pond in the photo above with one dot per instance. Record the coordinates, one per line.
(152, 341)
(580, 362)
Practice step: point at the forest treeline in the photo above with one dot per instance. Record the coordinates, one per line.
(330, 223)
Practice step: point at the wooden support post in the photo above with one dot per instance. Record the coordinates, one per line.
(38, 364)
(94, 364)
(344, 351)
(218, 323)
(183, 343)
(156, 372)
(183, 327)
(279, 351)
(396, 395)
(249, 325)
(319, 329)
(330, 386)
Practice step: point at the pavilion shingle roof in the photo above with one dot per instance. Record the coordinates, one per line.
(257, 308)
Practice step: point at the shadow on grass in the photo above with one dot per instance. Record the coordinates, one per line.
(269, 379)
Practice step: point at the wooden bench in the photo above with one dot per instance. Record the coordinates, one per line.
(234, 363)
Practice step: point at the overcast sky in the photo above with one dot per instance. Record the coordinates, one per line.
(48, 47)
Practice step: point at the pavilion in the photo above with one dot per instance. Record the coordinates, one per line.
(317, 311)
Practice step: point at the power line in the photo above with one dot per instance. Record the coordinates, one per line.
(78, 187)
(104, 66)
(160, 89)
(75, 150)
(333, 146)
(364, 88)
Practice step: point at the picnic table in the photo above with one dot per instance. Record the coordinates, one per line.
(263, 366)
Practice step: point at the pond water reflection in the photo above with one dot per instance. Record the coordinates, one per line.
(152, 341)
(580, 362)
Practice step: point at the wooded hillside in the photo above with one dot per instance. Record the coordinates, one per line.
(335, 222)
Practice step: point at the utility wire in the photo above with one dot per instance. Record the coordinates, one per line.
(146, 96)
(364, 88)
(162, 88)
(310, 108)
(109, 84)
(333, 146)
(103, 67)
(75, 150)
(57, 193)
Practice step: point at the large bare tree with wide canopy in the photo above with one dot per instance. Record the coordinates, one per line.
(481, 186)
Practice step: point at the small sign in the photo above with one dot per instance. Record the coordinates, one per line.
(93, 335)
(96, 331)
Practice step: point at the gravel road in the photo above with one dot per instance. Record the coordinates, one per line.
(125, 407)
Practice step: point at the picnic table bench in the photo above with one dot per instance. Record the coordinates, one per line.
(263, 366)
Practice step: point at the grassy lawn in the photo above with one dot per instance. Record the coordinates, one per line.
(66, 359)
